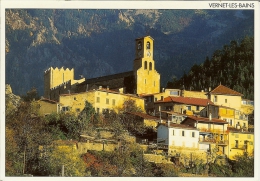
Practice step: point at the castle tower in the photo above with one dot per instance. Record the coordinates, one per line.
(54, 77)
(147, 78)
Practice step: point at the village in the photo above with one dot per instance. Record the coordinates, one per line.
(211, 124)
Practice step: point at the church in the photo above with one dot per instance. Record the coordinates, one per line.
(144, 79)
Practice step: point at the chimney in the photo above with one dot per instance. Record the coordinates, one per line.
(87, 88)
(121, 90)
(162, 89)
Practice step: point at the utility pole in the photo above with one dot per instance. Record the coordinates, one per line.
(24, 160)
(62, 170)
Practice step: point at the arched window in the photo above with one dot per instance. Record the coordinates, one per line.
(145, 65)
(148, 45)
(150, 66)
(139, 45)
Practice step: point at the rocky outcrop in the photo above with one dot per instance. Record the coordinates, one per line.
(12, 100)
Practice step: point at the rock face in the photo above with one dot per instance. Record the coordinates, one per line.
(12, 100)
(101, 42)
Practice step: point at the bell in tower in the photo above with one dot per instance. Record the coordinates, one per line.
(147, 78)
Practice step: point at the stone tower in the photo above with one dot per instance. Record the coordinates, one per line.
(54, 77)
(146, 77)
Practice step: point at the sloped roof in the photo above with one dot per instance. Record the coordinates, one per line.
(107, 77)
(103, 90)
(143, 115)
(221, 89)
(187, 100)
(49, 101)
(174, 125)
(204, 120)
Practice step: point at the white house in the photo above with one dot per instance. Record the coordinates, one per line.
(178, 136)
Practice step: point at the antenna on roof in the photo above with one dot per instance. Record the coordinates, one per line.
(147, 30)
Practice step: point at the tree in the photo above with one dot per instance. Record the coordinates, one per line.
(29, 132)
(57, 156)
(31, 95)
(243, 166)
(13, 158)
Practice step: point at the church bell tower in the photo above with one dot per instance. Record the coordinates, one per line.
(147, 78)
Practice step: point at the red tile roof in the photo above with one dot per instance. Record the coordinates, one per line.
(203, 119)
(221, 89)
(188, 100)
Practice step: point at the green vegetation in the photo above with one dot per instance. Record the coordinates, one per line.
(83, 39)
(39, 146)
(233, 66)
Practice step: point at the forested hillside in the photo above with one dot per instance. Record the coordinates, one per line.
(101, 42)
(232, 66)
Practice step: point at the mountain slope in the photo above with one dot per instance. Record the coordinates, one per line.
(101, 42)
(232, 66)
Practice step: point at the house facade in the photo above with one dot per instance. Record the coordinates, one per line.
(146, 119)
(182, 105)
(101, 99)
(178, 136)
(212, 132)
(47, 106)
(240, 143)
(224, 96)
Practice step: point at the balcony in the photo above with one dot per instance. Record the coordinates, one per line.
(207, 140)
(223, 142)
(213, 140)
(240, 147)
(205, 130)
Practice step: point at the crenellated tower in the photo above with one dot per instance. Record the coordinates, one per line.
(54, 77)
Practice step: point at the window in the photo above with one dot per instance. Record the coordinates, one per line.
(161, 98)
(215, 99)
(225, 100)
(197, 108)
(113, 102)
(75, 98)
(97, 110)
(188, 108)
(168, 108)
(173, 132)
(64, 109)
(173, 92)
(145, 65)
(148, 45)
(236, 143)
(193, 134)
(150, 66)
(183, 133)
(230, 122)
(107, 101)
(98, 99)
(221, 137)
(144, 81)
(245, 144)
(155, 99)
(139, 45)
(236, 135)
